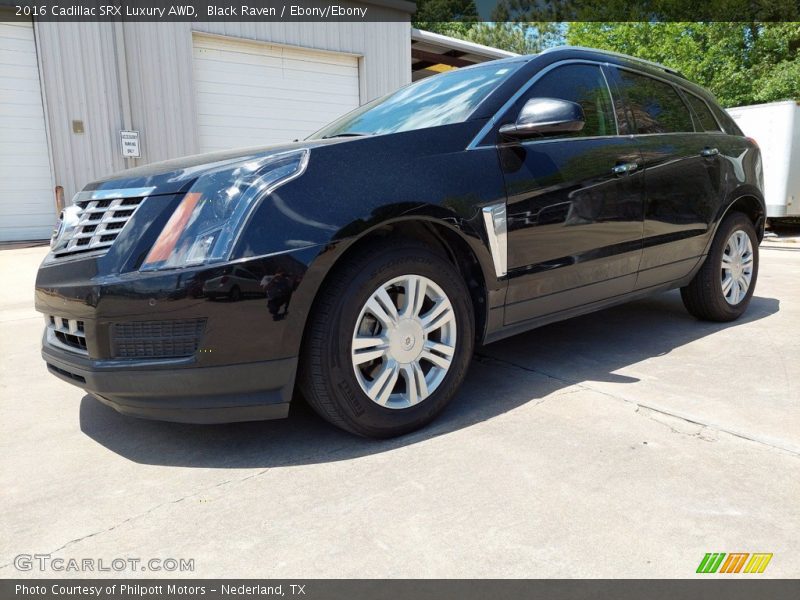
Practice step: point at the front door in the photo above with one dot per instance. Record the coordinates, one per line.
(574, 203)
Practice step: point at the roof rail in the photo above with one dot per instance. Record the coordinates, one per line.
(620, 55)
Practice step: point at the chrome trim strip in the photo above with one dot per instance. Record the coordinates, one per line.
(113, 194)
(496, 222)
(610, 95)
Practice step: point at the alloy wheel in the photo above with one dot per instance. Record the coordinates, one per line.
(737, 267)
(404, 341)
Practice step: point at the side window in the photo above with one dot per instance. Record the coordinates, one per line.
(707, 120)
(655, 105)
(583, 84)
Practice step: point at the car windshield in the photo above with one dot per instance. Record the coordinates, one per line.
(439, 100)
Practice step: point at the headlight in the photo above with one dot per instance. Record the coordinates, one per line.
(206, 224)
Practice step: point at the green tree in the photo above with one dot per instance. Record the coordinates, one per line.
(741, 63)
(448, 17)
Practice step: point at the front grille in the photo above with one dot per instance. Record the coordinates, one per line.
(156, 339)
(66, 333)
(92, 224)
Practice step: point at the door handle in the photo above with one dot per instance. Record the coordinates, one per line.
(625, 168)
(706, 152)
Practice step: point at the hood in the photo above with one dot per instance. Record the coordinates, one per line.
(177, 175)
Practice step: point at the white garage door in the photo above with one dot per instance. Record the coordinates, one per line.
(27, 210)
(251, 94)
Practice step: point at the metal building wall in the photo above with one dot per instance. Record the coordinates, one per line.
(159, 58)
(83, 81)
(79, 74)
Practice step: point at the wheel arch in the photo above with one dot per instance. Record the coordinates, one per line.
(747, 200)
(461, 247)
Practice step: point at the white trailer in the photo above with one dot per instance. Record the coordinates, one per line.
(776, 129)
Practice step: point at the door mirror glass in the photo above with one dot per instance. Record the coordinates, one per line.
(544, 116)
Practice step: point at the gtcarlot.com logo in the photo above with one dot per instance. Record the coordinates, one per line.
(45, 562)
(735, 562)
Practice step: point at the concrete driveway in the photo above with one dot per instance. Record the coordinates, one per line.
(627, 443)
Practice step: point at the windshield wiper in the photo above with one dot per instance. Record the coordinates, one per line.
(345, 134)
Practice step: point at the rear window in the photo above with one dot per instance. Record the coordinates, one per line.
(707, 120)
(655, 105)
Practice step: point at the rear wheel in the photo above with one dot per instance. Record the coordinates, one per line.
(724, 285)
(389, 341)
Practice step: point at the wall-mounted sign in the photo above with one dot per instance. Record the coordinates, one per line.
(130, 144)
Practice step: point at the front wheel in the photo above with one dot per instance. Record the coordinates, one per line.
(724, 285)
(389, 341)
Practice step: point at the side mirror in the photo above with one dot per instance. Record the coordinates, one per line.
(541, 116)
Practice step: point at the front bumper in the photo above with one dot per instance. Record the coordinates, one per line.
(155, 345)
(168, 390)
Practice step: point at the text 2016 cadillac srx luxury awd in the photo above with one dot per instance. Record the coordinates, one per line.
(361, 266)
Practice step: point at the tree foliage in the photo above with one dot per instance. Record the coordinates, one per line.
(741, 63)
(509, 28)
(448, 17)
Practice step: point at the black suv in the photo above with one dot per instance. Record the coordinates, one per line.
(363, 264)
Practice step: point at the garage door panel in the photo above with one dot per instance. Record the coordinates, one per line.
(17, 71)
(318, 56)
(219, 60)
(26, 197)
(21, 97)
(306, 66)
(19, 30)
(215, 144)
(9, 119)
(240, 137)
(266, 75)
(246, 121)
(251, 94)
(25, 233)
(246, 132)
(257, 108)
(10, 172)
(32, 221)
(215, 70)
(16, 47)
(23, 113)
(26, 211)
(310, 107)
(223, 59)
(229, 47)
(33, 151)
(258, 86)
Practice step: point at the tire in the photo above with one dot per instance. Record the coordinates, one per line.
(705, 297)
(337, 388)
(236, 294)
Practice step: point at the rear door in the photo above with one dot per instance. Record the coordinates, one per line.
(574, 202)
(680, 173)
